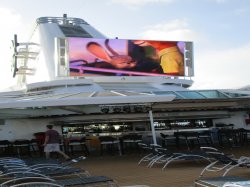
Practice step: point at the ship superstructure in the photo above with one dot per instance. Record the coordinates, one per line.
(57, 87)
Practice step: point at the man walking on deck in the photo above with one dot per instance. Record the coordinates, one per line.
(51, 143)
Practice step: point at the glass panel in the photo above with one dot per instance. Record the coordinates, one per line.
(212, 94)
(191, 94)
(74, 31)
(62, 42)
(237, 94)
(167, 93)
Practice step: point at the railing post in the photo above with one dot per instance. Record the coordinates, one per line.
(152, 127)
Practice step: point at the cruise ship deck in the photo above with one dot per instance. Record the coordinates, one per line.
(62, 81)
(125, 171)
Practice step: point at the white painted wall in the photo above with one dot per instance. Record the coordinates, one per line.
(24, 128)
(237, 118)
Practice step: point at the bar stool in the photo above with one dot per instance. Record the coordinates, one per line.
(20, 146)
(244, 136)
(205, 136)
(73, 143)
(190, 138)
(167, 138)
(5, 146)
(227, 136)
(130, 140)
(109, 143)
(35, 145)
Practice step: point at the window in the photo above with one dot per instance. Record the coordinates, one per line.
(74, 31)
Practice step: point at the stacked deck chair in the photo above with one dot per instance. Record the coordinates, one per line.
(227, 181)
(160, 155)
(163, 155)
(191, 156)
(53, 175)
(11, 168)
(39, 181)
(151, 151)
(223, 162)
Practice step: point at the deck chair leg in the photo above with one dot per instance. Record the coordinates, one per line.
(207, 168)
(145, 158)
(85, 148)
(112, 184)
(188, 144)
(101, 149)
(199, 144)
(228, 169)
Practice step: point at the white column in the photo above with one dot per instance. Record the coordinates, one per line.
(152, 127)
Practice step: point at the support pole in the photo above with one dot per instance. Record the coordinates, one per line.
(152, 127)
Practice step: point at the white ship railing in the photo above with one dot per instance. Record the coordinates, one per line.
(61, 20)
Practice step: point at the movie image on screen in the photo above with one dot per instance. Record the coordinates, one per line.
(119, 57)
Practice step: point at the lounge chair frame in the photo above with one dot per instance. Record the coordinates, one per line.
(223, 162)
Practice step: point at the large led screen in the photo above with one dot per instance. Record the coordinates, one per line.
(119, 57)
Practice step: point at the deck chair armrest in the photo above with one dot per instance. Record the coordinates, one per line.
(50, 167)
(85, 181)
(244, 159)
(16, 180)
(155, 145)
(216, 153)
(38, 184)
(209, 148)
(43, 165)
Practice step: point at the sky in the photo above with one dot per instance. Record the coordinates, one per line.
(219, 30)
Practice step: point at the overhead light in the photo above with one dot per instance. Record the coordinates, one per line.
(117, 109)
(126, 108)
(148, 108)
(138, 108)
(105, 110)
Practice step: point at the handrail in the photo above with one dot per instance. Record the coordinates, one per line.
(61, 20)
